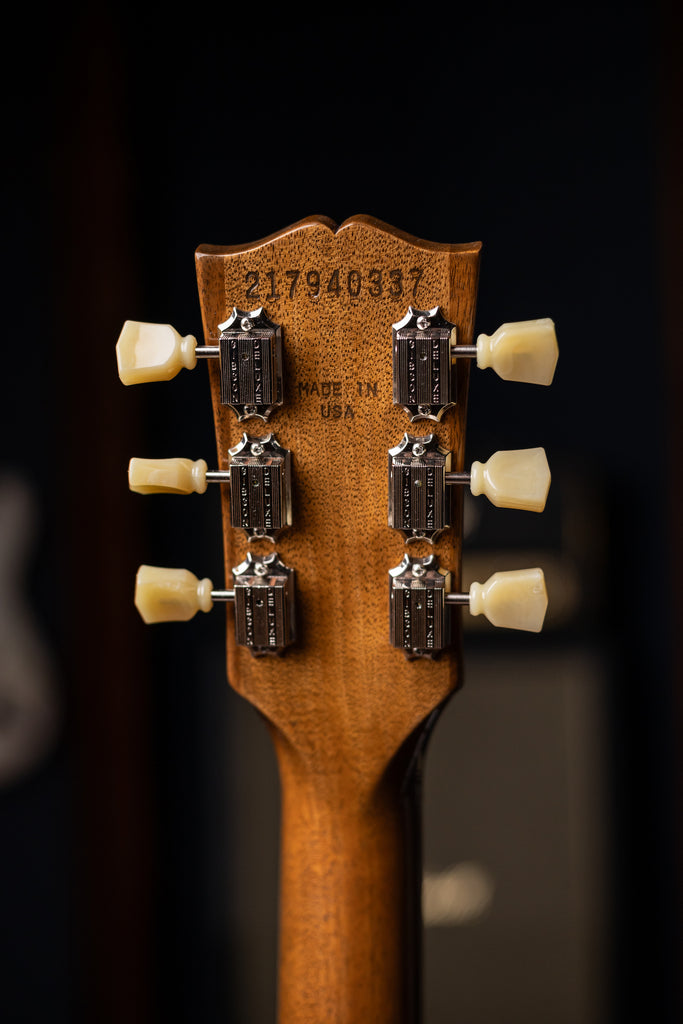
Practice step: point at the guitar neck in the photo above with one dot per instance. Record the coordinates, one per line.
(350, 885)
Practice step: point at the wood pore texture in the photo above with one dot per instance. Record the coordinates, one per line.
(345, 708)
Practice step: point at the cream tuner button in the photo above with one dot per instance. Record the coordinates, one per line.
(514, 600)
(514, 479)
(167, 476)
(150, 352)
(525, 351)
(170, 595)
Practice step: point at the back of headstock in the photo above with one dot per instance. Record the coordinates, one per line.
(340, 691)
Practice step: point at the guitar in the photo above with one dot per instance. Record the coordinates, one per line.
(338, 362)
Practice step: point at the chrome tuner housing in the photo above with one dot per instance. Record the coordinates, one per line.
(264, 604)
(251, 363)
(423, 382)
(419, 501)
(260, 487)
(418, 622)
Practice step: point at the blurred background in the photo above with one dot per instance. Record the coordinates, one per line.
(138, 794)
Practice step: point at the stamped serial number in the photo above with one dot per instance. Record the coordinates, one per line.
(268, 285)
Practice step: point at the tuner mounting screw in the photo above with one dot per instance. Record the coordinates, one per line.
(422, 323)
(260, 569)
(246, 324)
(419, 570)
(419, 449)
(257, 449)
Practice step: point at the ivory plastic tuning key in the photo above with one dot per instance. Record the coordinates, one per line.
(249, 349)
(152, 352)
(516, 599)
(173, 595)
(513, 479)
(425, 344)
(525, 351)
(419, 473)
(171, 476)
(420, 593)
(263, 595)
(260, 478)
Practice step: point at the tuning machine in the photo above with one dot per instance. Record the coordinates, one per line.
(425, 343)
(260, 480)
(249, 349)
(420, 474)
(251, 363)
(420, 595)
(263, 596)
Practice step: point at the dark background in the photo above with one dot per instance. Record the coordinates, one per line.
(134, 134)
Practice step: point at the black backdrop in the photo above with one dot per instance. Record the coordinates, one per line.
(133, 134)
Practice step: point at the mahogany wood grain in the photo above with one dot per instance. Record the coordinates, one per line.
(347, 711)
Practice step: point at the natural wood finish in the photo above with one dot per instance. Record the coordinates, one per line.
(346, 710)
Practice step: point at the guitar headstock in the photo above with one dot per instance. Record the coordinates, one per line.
(338, 391)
